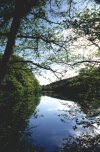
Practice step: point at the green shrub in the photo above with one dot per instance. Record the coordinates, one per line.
(19, 83)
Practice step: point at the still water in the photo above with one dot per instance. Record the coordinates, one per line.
(62, 125)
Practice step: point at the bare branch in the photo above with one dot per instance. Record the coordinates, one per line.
(87, 61)
(55, 72)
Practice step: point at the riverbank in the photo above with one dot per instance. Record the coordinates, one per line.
(86, 83)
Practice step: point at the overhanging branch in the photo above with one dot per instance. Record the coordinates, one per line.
(86, 61)
(55, 72)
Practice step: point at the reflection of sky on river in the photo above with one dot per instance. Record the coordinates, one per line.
(56, 120)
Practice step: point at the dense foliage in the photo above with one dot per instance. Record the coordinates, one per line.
(86, 84)
(19, 83)
(19, 95)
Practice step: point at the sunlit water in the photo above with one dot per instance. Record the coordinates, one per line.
(57, 121)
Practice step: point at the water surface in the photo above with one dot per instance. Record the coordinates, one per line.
(57, 124)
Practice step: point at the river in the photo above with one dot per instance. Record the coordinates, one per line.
(62, 125)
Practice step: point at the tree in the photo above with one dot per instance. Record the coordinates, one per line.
(88, 24)
(19, 81)
(13, 13)
(24, 7)
(85, 25)
(34, 28)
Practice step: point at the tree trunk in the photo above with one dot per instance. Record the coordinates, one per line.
(22, 7)
(10, 44)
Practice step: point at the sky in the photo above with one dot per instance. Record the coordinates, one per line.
(48, 76)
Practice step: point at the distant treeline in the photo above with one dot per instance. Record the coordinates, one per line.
(88, 80)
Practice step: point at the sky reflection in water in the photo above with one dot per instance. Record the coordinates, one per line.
(56, 120)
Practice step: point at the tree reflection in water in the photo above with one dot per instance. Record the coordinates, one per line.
(14, 116)
(84, 143)
(88, 140)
